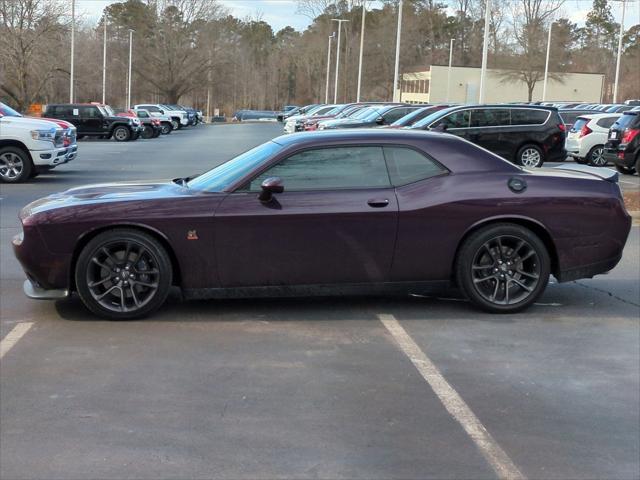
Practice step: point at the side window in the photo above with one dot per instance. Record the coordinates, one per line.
(407, 166)
(89, 112)
(395, 114)
(482, 117)
(459, 119)
(142, 114)
(329, 168)
(151, 108)
(524, 116)
(606, 122)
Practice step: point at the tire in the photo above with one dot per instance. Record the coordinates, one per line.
(123, 274)
(530, 156)
(626, 170)
(167, 128)
(579, 160)
(176, 124)
(638, 164)
(595, 157)
(121, 134)
(147, 132)
(498, 256)
(156, 133)
(15, 165)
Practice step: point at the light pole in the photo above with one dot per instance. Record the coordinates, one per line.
(485, 47)
(130, 57)
(104, 63)
(396, 90)
(546, 65)
(364, 11)
(449, 71)
(326, 92)
(73, 43)
(615, 85)
(335, 88)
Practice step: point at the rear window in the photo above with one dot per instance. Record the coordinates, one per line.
(521, 116)
(578, 124)
(407, 166)
(627, 120)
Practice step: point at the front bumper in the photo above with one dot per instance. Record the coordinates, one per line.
(54, 157)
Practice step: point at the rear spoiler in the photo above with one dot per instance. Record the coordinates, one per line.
(599, 172)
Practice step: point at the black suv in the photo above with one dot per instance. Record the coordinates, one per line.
(95, 120)
(527, 135)
(623, 145)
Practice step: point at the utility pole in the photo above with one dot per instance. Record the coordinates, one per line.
(73, 42)
(546, 65)
(104, 63)
(130, 57)
(335, 92)
(615, 85)
(449, 71)
(396, 90)
(326, 92)
(485, 47)
(364, 11)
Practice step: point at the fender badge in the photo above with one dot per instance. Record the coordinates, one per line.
(192, 235)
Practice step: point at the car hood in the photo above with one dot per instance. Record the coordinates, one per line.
(31, 122)
(107, 192)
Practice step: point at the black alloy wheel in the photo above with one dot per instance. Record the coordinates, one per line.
(166, 128)
(123, 274)
(147, 132)
(503, 268)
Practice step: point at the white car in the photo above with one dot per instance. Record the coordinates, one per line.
(295, 122)
(586, 139)
(178, 118)
(28, 144)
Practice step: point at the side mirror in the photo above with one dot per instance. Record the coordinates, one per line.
(270, 186)
(380, 121)
(162, 112)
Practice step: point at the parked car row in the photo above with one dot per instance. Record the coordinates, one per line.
(527, 135)
(31, 145)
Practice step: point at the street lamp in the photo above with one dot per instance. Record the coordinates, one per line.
(364, 11)
(104, 63)
(449, 70)
(615, 85)
(485, 47)
(335, 92)
(73, 35)
(130, 57)
(396, 90)
(546, 65)
(326, 92)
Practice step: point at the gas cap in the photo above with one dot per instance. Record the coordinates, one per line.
(517, 185)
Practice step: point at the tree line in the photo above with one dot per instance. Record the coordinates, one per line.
(192, 50)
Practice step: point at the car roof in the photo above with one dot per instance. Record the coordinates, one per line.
(598, 116)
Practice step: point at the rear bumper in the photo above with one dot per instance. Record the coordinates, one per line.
(588, 271)
(34, 291)
(622, 158)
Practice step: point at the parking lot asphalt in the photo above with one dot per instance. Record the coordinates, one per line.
(311, 388)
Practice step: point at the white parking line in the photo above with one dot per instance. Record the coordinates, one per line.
(13, 337)
(453, 402)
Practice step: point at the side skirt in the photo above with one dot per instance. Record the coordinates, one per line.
(322, 290)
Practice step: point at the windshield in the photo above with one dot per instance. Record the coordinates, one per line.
(430, 118)
(412, 117)
(106, 110)
(323, 110)
(362, 113)
(335, 110)
(7, 111)
(625, 121)
(220, 177)
(372, 114)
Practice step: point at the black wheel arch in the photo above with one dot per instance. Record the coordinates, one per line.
(120, 124)
(86, 237)
(528, 223)
(16, 144)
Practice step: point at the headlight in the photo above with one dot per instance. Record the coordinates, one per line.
(19, 238)
(44, 135)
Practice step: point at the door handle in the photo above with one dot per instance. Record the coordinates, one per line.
(378, 202)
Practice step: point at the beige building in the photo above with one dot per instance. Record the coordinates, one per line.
(432, 86)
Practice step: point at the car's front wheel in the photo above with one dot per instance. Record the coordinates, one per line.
(147, 132)
(123, 274)
(596, 156)
(15, 165)
(626, 170)
(122, 134)
(167, 127)
(503, 268)
(530, 156)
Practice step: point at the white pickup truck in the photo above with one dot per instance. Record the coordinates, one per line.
(28, 145)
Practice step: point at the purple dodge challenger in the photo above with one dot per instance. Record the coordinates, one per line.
(366, 211)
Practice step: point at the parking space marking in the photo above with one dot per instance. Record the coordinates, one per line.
(13, 337)
(453, 402)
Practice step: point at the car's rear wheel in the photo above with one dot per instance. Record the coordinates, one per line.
(167, 127)
(626, 170)
(530, 156)
(123, 274)
(15, 165)
(503, 268)
(596, 156)
(122, 134)
(147, 132)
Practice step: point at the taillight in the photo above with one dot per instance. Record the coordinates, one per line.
(562, 127)
(584, 131)
(629, 134)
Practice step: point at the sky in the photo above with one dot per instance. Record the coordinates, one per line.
(280, 13)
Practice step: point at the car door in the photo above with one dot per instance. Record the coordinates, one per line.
(334, 223)
(486, 128)
(91, 119)
(456, 123)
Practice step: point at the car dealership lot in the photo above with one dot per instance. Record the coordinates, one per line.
(309, 388)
